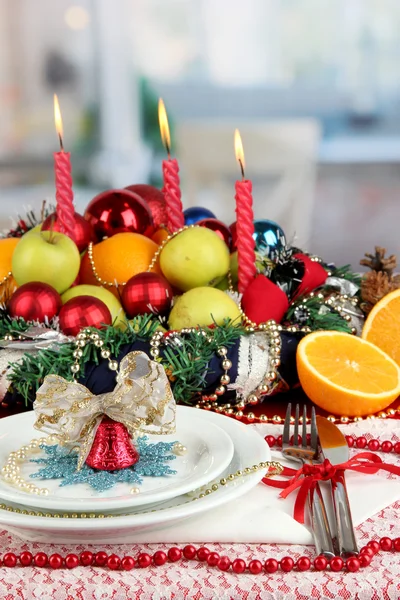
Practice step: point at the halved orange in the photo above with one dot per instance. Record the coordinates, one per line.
(346, 375)
(382, 326)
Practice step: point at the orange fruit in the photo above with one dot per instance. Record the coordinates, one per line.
(118, 258)
(7, 247)
(346, 375)
(382, 326)
(160, 235)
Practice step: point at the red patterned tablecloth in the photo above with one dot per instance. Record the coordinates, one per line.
(193, 580)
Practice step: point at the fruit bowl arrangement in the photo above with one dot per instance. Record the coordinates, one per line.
(74, 305)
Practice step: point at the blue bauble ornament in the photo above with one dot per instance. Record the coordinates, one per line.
(269, 238)
(197, 213)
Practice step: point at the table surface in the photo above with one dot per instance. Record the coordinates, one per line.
(193, 580)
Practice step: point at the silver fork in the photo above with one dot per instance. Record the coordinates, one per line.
(305, 454)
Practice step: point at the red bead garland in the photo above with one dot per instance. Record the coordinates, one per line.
(358, 442)
(203, 554)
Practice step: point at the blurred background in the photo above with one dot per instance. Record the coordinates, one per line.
(313, 86)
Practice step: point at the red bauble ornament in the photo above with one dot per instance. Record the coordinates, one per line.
(83, 311)
(35, 301)
(155, 200)
(112, 447)
(116, 211)
(219, 227)
(233, 230)
(264, 300)
(146, 293)
(83, 230)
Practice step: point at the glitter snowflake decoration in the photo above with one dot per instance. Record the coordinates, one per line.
(61, 463)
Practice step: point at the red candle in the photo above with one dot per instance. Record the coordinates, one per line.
(170, 167)
(244, 223)
(65, 209)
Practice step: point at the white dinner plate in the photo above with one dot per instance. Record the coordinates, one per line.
(249, 449)
(209, 452)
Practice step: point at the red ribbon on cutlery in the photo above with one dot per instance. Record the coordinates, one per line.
(305, 478)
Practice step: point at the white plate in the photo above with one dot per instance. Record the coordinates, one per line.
(249, 449)
(209, 452)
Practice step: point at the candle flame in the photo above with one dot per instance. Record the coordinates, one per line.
(58, 120)
(164, 128)
(239, 151)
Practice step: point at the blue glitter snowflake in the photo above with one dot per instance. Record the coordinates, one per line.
(62, 464)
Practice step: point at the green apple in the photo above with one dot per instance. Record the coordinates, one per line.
(46, 256)
(224, 283)
(203, 306)
(194, 258)
(234, 266)
(113, 304)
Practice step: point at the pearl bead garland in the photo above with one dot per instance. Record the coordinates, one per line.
(10, 472)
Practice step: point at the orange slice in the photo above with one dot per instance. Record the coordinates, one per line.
(382, 326)
(346, 375)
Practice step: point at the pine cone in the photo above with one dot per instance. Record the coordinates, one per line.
(378, 262)
(374, 286)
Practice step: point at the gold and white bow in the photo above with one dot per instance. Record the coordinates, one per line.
(142, 400)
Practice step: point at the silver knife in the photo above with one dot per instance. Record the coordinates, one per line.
(334, 448)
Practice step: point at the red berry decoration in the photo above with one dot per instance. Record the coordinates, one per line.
(127, 563)
(56, 561)
(100, 559)
(255, 567)
(147, 293)
(83, 230)
(373, 445)
(386, 446)
(189, 552)
(155, 200)
(87, 558)
(113, 562)
(238, 566)
(116, 211)
(386, 543)
(224, 563)
(40, 559)
(271, 565)
(287, 564)
(174, 554)
(83, 311)
(71, 561)
(26, 558)
(219, 228)
(365, 560)
(303, 563)
(353, 564)
(159, 558)
(320, 563)
(144, 560)
(336, 563)
(9, 559)
(213, 559)
(35, 301)
(374, 545)
(202, 553)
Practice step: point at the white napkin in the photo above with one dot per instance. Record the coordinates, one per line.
(262, 517)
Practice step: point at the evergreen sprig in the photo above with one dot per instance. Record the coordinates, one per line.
(27, 375)
(188, 360)
(319, 315)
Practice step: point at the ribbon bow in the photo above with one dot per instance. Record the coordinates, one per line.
(142, 400)
(307, 476)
